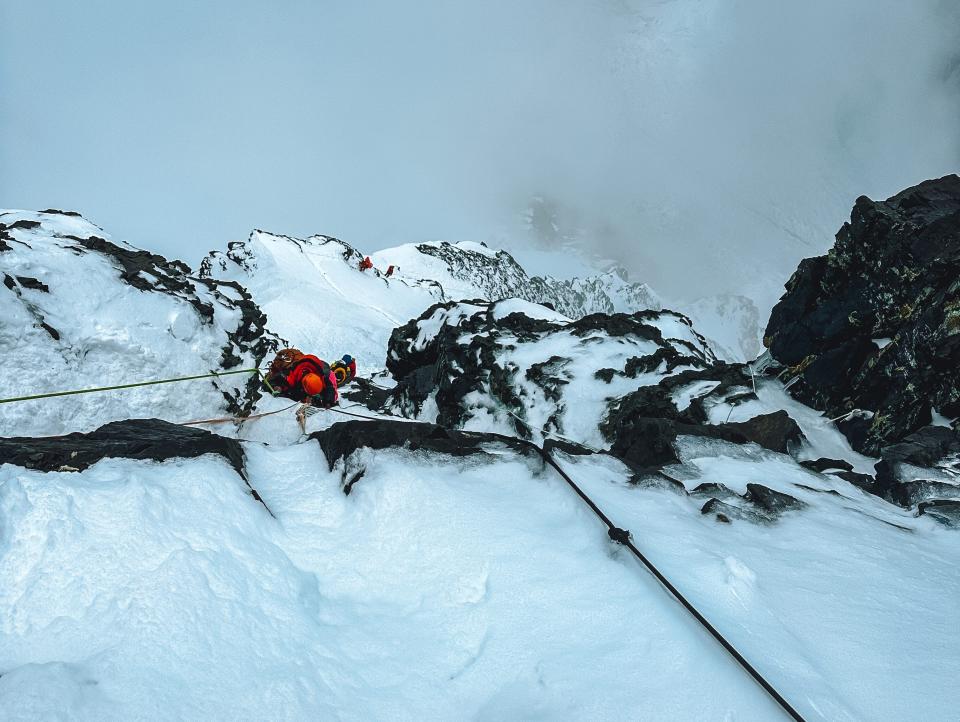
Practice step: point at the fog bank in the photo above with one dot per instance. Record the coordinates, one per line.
(706, 145)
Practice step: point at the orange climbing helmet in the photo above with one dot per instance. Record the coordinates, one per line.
(312, 384)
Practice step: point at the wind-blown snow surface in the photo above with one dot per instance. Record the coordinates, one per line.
(315, 296)
(442, 588)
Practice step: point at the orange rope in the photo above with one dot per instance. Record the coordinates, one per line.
(241, 419)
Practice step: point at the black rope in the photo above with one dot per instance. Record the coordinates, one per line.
(622, 536)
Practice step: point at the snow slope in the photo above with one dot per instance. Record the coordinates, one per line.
(81, 312)
(316, 298)
(441, 587)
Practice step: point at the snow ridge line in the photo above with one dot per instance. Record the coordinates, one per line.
(625, 538)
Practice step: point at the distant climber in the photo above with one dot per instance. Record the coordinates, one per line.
(366, 263)
(389, 271)
(308, 379)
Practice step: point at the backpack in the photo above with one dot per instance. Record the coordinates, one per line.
(284, 362)
(286, 359)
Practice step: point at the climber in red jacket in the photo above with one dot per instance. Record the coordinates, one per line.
(308, 379)
(366, 263)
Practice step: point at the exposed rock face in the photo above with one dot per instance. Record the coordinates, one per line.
(464, 362)
(925, 447)
(875, 324)
(477, 365)
(343, 439)
(648, 442)
(134, 439)
(760, 505)
(148, 439)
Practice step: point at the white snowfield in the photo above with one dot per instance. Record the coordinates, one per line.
(441, 588)
(458, 589)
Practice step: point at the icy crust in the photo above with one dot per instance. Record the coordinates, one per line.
(469, 270)
(80, 311)
(458, 586)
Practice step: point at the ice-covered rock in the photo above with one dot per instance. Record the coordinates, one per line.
(80, 311)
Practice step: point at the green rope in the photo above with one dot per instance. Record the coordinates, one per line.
(127, 386)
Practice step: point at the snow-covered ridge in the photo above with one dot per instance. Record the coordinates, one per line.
(81, 311)
(317, 298)
(472, 270)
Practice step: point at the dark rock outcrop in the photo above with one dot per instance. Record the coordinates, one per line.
(947, 512)
(147, 439)
(875, 324)
(152, 439)
(760, 505)
(773, 503)
(823, 464)
(649, 442)
(925, 447)
(342, 439)
(893, 485)
(775, 431)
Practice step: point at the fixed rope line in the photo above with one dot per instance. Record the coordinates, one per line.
(51, 394)
(623, 537)
(241, 419)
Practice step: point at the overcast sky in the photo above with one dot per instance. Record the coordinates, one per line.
(709, 144)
